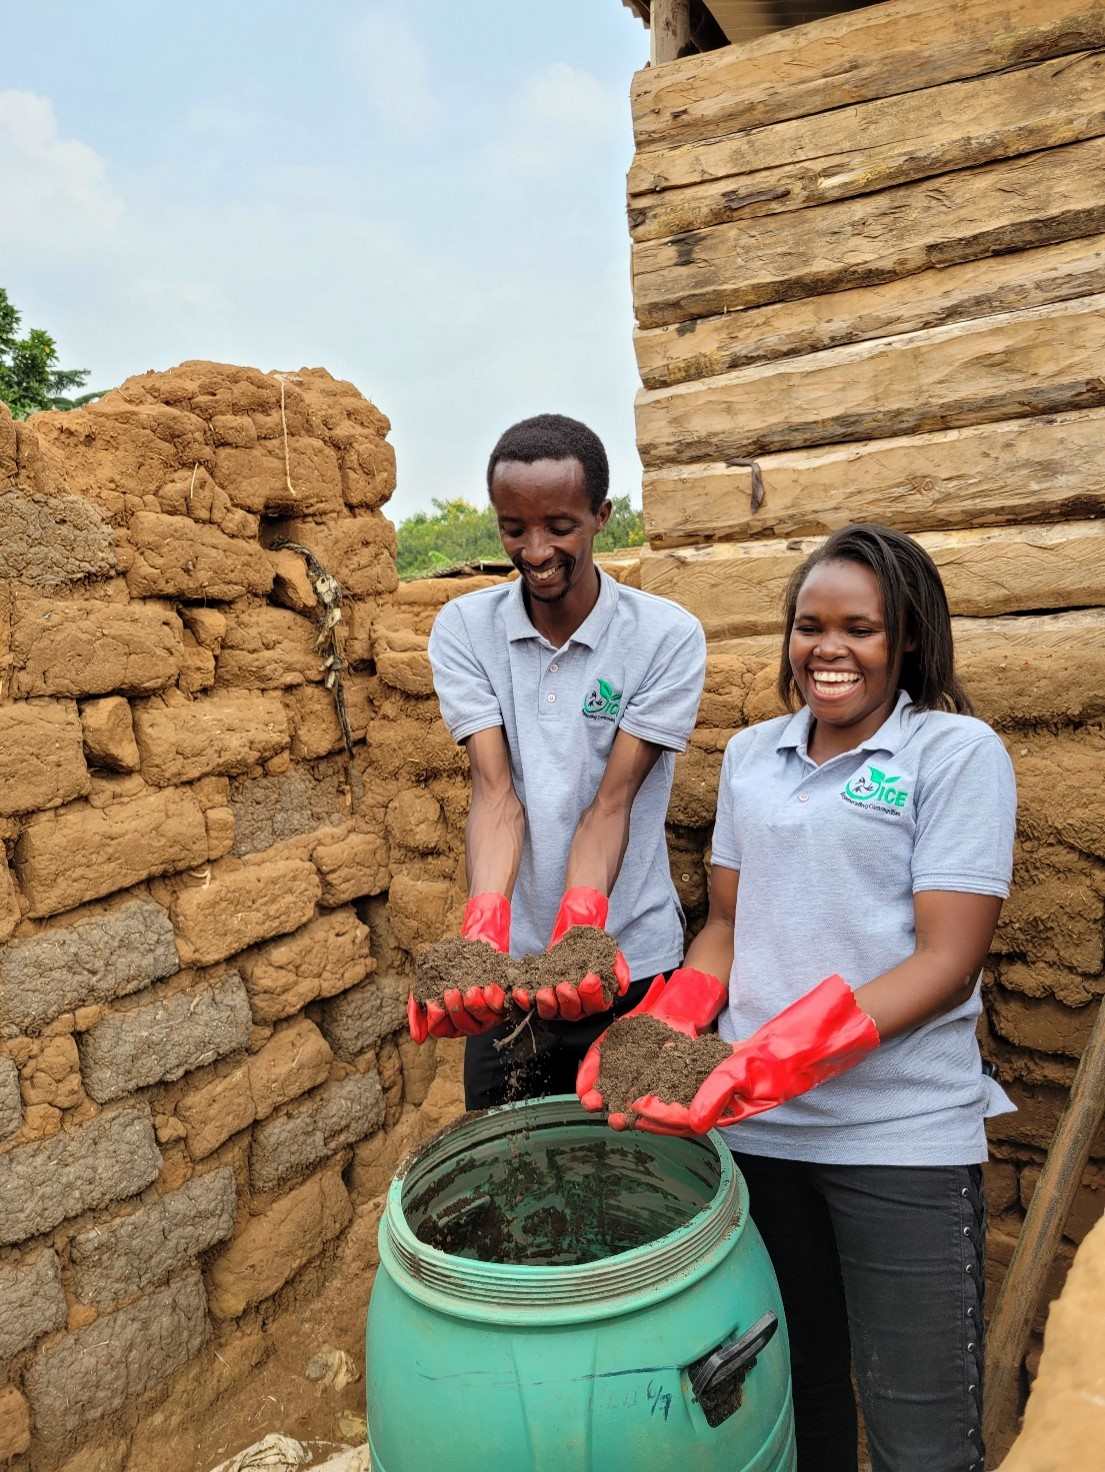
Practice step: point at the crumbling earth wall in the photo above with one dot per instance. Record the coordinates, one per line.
(207, 908)
(1064, 1420)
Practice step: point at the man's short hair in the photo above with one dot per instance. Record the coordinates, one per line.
(556, 437)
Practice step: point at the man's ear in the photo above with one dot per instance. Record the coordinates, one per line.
(602, 515)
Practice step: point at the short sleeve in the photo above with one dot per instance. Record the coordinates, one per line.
(464, 691)
(725, 844)
(663, 707)
(966, 820)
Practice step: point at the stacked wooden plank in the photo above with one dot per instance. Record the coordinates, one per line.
(869, 277)
(869, 256)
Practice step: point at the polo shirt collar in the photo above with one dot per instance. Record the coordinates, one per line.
(795, 734)
(590, 631)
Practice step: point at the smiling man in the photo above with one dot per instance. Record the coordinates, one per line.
(572, 693)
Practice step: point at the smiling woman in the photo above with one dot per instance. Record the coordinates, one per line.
(865, 615)
(855, 1107)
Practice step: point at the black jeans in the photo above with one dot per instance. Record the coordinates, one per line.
(881, 1274)
(543, 1060)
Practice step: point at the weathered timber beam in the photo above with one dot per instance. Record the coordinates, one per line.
(736, 588)
(1043, 361)
(1039, 199)
(1021, 670)
(1051, 468)
(880, 51)
(857, 150)
(669, 27)
(707, 346)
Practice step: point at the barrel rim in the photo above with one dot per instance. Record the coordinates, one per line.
(565, 1293)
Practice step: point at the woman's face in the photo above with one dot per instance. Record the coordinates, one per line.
(838, 648)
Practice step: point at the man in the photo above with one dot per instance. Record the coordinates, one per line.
(571, 693)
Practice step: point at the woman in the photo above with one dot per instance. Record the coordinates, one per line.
(869, 835)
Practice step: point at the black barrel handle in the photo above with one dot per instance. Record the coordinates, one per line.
(729, 1359)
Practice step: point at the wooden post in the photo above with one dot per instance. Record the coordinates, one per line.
(1043, 1225)
(669, 29)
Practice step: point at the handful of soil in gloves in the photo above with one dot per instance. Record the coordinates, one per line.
(461, 963)
(457, 962)
(642, 1055)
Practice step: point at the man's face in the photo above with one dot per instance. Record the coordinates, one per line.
(546, 524)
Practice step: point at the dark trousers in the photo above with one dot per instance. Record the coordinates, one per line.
(881, 1274)
(542, 1060)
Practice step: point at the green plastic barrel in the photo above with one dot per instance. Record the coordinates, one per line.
(553, 1297)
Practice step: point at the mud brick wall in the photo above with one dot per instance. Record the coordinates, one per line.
(869, 282)
(207, 910)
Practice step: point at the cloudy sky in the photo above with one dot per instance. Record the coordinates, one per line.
(423, 196)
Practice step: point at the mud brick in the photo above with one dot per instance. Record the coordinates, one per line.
(93, 648)
(42, 1184)
(216, 1111)
(41, 756)
(358, 1019)
(268, 810)
(99, 956)
(176, 557)
(109, 734)
(11, 1115)
(31, 1303)
(113, 1361)
(84, 853)
(165, 1039)
(239, 909)
(353, 865)
(328, 955)
(276, 1243)
(213, 735)
(268, 647)
(15, 1424)
(49, 540)
(358, 550)
(335, 1115)
(122, 1258)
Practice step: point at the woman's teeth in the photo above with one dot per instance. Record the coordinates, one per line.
(835, 682)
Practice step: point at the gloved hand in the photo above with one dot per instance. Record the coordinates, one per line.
(822, 1034)
(479, 1008)
(688, 1002)
(568, 1000)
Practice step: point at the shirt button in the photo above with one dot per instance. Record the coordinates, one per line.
(553, 668)
(551, 699)
(803, 797)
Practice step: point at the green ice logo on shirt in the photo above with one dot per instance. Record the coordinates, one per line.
(602, 702)
(876, 789)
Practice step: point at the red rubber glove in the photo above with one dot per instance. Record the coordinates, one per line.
(822, 1034)
(688, 1002)
(568, 1001)
(480, 1008)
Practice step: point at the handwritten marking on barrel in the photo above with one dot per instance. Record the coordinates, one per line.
(659, 1398)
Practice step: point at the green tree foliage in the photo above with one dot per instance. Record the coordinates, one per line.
(457, 532)
(29, 376)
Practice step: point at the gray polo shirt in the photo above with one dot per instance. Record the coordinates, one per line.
(635, 664)
(830, 858)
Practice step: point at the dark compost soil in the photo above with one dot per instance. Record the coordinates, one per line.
(461, 963)
(464, 963)
(554, 1204)
(642, 1055)
(584, 949)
